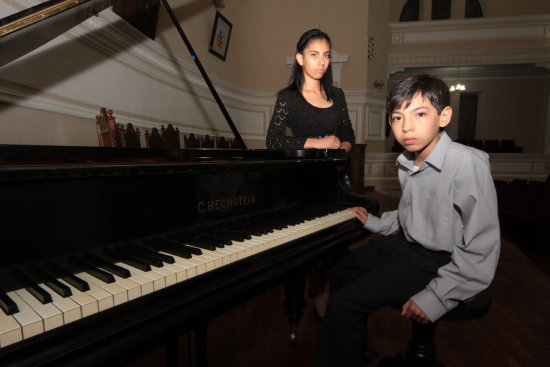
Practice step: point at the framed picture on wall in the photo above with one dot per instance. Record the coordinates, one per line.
(219, 42)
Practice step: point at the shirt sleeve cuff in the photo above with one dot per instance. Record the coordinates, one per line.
(430, 304)
(373, 223)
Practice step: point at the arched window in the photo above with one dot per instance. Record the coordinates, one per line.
(473, 9)
(410, 12)
(441, 9)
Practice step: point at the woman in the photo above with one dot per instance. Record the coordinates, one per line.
(311, 112)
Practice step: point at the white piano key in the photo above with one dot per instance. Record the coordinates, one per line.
(179, 271)
(118, 293)
(244, 250)
(190, 268)
(216, 258)
(239, 252)
(104, 299)
(200, 266)
(70, 309)
(31, 323)
(88, 304)
(10, 330)
(146, 284)
(206, 260)
(168, 275)
(157, 279)
(228, 255)
(132, 288)
(51, 315)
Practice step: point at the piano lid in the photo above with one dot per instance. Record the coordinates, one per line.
(29, 29)
(22, 32)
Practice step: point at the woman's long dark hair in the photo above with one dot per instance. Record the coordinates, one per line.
(297, 76)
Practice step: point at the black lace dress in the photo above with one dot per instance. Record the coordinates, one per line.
(294, 120)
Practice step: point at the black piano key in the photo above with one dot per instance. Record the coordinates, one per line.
(174, 250)
(117, 256)
(244, 234)
(72, 279)
(38, 292)
(7, 305)
(51, 282)
(140, 257)
(154, 254)
(210, 240)
(229, 237)
(172, 247)
(59, 287)
(225, 240)
(92, 270)
(111, 268)
(202, 244)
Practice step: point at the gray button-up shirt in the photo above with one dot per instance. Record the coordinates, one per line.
(448, 204)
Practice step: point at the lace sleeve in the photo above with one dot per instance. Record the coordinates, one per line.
(344, 129)
(279, 133)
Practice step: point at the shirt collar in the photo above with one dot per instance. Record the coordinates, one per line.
(435, 158)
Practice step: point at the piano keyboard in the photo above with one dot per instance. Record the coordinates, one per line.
(33, 317)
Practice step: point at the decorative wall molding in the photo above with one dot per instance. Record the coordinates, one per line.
(524, 39)
(125, 50)
(381, 169)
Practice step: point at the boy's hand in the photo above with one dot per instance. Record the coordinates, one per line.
(360, 213)
(412, 311)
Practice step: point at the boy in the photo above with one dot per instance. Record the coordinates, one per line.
(444, 239)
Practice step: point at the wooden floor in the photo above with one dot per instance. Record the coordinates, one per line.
(515, 333)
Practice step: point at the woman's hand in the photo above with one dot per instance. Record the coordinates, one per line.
(346, 146)
(329, 142)
(360, 213)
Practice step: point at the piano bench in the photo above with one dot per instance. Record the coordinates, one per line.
(421, 351)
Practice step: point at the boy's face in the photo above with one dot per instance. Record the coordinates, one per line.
(416, 127)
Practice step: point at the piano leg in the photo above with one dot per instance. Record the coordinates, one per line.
(295, 285)
(200, 344)
(172, 350)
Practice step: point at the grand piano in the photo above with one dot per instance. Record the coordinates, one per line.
(108, 251)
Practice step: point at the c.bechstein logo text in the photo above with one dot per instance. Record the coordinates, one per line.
(225, 203)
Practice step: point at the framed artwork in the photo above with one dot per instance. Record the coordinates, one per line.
(220, 36)
(142, 14)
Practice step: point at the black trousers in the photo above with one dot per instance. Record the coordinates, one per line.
(385, 272)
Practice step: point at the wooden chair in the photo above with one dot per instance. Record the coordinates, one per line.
(207, 142)
(171, 137)
(234, 144)
(478, 144)
(190, 141)
(131, 137)
(221, 143)
(154, 140)
(509, 146)
(492, 146)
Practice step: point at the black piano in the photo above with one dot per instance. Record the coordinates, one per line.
(105, 251)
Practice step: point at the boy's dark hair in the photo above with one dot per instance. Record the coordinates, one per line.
(432, 88)
(297, 76)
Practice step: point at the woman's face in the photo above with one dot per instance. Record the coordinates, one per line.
(315, 59)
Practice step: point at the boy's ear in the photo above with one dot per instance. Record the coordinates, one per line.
(445, 116)
(300, 59)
